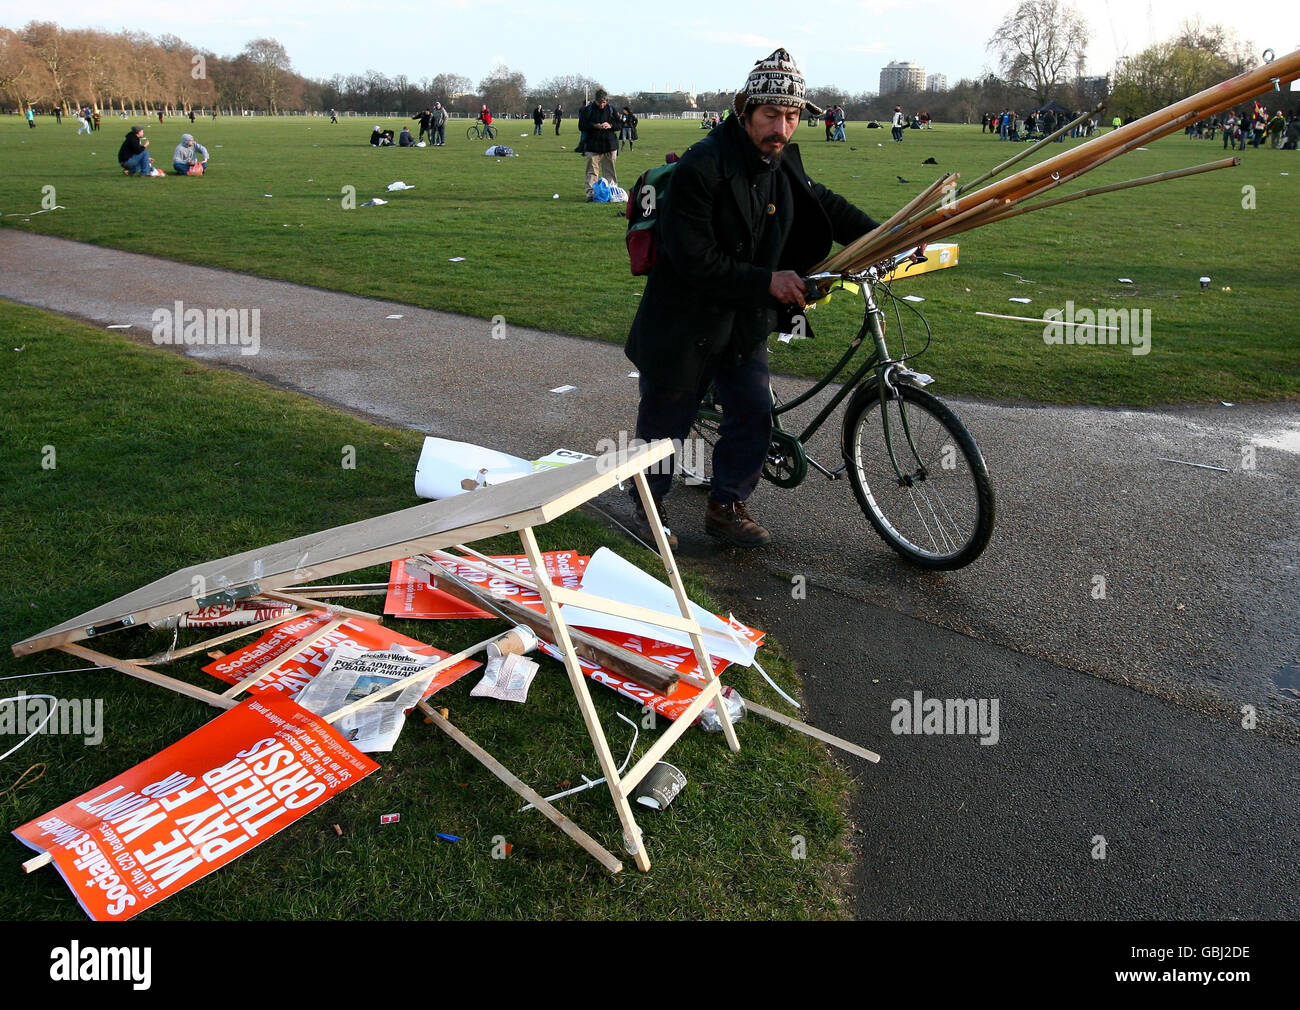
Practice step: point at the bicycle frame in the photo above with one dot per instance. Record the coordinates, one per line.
(879, 361)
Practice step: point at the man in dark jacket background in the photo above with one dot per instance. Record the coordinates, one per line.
(598, 124)
(742, 224)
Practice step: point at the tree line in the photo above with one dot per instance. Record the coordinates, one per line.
(1038, 47)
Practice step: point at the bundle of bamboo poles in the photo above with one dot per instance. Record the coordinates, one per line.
(944, 208)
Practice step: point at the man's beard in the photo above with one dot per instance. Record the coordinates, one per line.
(775, 156)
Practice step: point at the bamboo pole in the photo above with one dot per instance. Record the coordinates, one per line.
(900, 217)
(972, 209)
(1015, 159)
(1146, 180)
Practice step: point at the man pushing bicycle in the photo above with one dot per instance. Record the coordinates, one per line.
(743, 224)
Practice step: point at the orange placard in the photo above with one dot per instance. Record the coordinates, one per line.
(412, 597)
(205, 800)
(297, 672)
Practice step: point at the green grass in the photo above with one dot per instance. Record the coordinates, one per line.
(160, 463)
(559, 264)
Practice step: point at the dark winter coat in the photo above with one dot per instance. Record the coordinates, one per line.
(132, 146)
(598, 141)
(708, 292)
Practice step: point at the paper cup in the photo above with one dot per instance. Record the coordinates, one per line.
(660, 786)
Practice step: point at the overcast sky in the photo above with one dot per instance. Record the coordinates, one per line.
(680, 46)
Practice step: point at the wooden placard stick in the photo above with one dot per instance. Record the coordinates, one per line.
(270, 667)
(398, 686)
(326, 594)
(589, 647)
(174, 654)
(310, 604)
(812, 731)
(132, 669)
(606, 858)
(491, 566)
(37, 861)
(684, 603)
(335, 589)
(632, 839)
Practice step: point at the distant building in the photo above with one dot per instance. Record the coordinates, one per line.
(1092, 90)
(936, 82)
(905, 76)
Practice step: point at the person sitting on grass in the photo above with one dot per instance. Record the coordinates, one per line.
(404, 139)
(133, 155)
(190, 157)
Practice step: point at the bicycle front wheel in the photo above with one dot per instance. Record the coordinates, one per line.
(472, 133)
(935, 507)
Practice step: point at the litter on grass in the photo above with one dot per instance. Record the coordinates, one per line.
(394, 187)
(563, 389)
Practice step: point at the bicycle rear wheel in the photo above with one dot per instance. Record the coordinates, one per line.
(695, 461)
(939, 514)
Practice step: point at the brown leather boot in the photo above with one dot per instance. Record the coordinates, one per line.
(733, 523)
(641, 523)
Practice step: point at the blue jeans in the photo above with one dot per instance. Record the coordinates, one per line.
(744, 392)
(537, 129)
(139, 164)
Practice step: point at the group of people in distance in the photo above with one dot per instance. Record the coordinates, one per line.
(1010, 125)
(433, 124)
(189, 158)
(1258, 127)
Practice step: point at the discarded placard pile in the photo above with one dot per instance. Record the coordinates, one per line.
(213, 795)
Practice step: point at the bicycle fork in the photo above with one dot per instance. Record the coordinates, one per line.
(887, 373)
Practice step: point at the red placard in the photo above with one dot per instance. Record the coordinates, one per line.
(672, 656)
(412, 597)
(205, 800)
(297, 672)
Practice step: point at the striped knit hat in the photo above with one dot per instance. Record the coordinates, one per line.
(775, 80)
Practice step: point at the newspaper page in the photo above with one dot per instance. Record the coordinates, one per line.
(353, 673)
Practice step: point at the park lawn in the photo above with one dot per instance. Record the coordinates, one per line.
(160, 462)
(538, 255)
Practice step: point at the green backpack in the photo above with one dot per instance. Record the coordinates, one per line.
(644, 205)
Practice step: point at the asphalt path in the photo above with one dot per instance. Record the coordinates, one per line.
(1124, 782)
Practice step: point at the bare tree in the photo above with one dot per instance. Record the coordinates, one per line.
(17, 67)
(46, 41)
(1037, 43)
(270, 62)
(503, 90)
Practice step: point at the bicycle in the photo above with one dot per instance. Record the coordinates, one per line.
(916, 471)
(481, 131)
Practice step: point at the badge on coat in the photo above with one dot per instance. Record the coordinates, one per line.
(771, 209)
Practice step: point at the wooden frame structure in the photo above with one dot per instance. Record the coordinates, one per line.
(515, 507)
